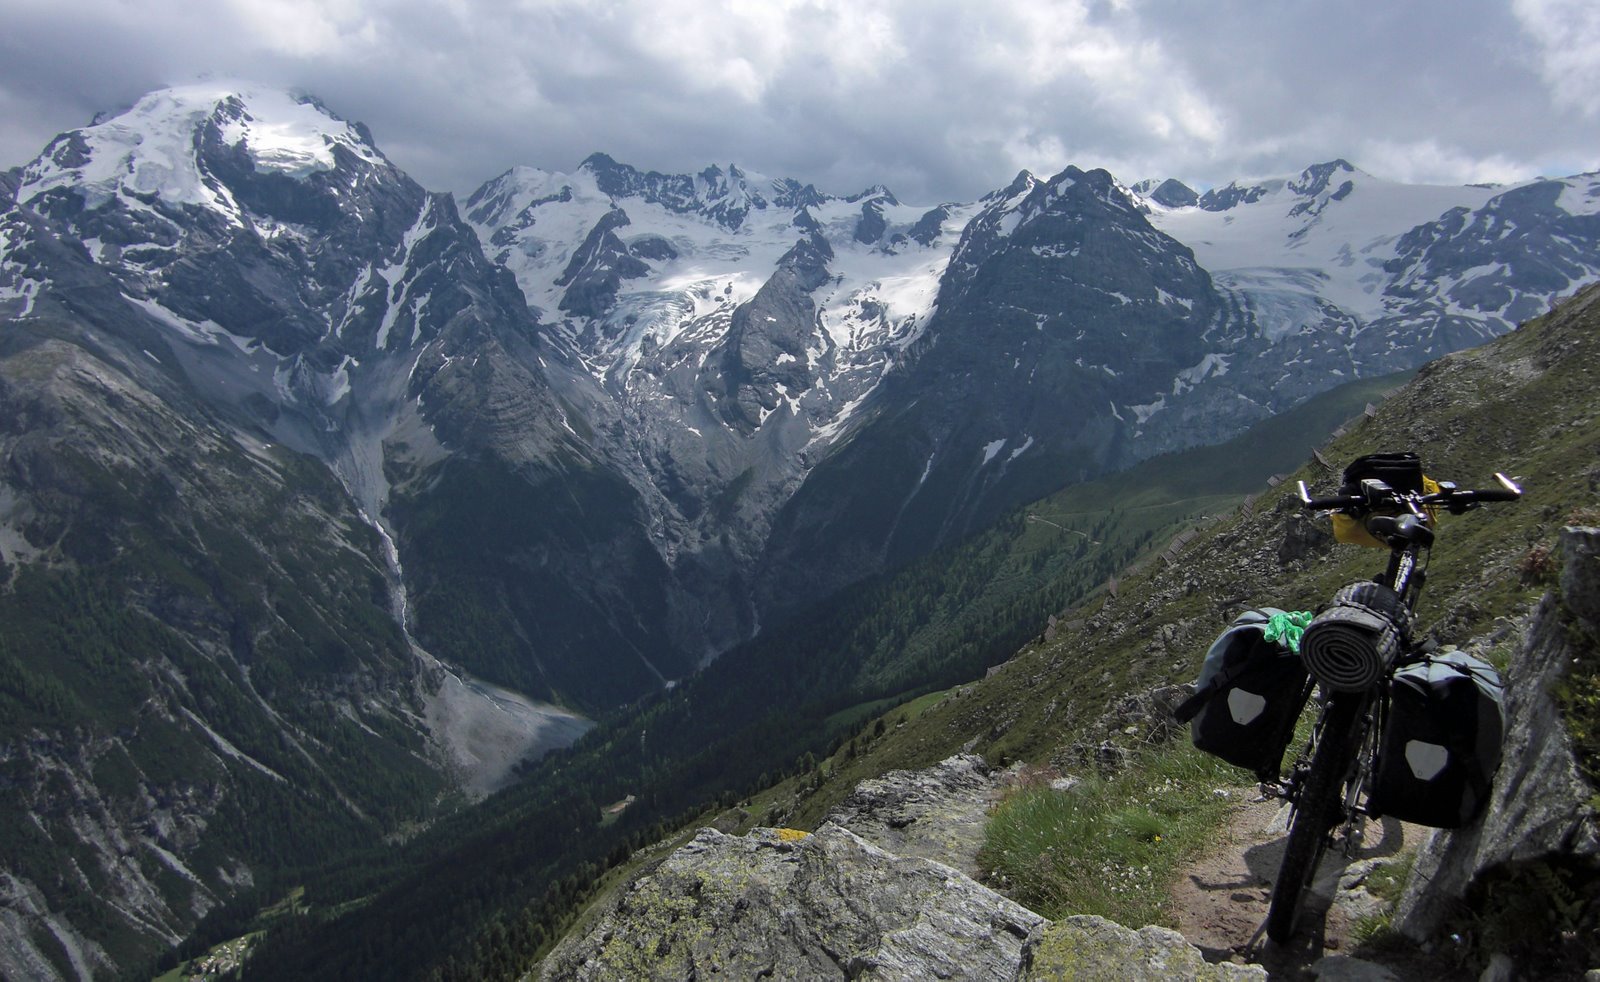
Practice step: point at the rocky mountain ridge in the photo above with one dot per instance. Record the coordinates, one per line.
(1312, 279)
(205, 658)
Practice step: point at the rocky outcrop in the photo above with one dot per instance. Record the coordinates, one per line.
(1091, 949)
(939, 813)
(783, 904)
(778, 903)
(1542, 805)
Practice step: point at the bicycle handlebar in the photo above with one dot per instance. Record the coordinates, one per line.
(1334, 503)
(1449, 496)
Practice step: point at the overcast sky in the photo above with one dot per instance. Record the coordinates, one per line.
(941, 100)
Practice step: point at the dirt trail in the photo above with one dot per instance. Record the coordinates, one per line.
(1221, 899)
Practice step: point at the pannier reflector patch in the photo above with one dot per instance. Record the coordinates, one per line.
(1426, 759)
(1245, 706)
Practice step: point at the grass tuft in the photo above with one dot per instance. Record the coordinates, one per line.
(1108, 845)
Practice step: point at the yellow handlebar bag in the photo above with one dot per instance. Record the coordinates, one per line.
(1352, 529)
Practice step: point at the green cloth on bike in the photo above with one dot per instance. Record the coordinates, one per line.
(1287, 627)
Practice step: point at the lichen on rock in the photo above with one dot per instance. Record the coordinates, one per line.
(1093, 949)
(827, 906)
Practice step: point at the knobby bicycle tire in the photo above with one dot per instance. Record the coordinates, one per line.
(1315, 814)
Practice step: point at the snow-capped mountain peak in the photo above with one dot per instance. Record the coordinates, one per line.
(154, 150)
(625, 260)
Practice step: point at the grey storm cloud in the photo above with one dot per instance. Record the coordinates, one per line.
(939, 100)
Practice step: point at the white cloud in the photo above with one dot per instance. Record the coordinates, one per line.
(303, 28)
(939, 99)
(1429, 162)
(1568, 35)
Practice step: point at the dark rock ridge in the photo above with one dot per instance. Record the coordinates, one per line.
(598, 267)
(1171, 193)
(1541, 808)
(1060, 304)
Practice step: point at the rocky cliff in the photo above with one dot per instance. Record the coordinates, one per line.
(1544, 811)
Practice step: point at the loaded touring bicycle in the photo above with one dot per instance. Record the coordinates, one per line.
(1403, 728)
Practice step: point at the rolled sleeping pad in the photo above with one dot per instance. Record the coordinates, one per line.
(1350, 644)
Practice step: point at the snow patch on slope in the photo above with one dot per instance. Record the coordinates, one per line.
(1285, 242)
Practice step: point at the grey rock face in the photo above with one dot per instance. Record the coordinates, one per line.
(764, 353)
(939, 813)
(1092, 949)
(1175, 194)
(1540, 802)
(598, 267)
(788, 906)
(1065, 316)
(781, 904)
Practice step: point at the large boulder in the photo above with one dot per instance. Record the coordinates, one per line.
(1092, 949)
(785, 905)
(1541, 804)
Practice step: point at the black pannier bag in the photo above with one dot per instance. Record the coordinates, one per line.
(1248, 697)
(1441, 742)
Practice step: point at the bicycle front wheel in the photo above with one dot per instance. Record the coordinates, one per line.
(1316, 812)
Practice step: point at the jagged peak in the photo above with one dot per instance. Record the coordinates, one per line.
(1318, 178)
(726, 196)
(1313, 181)
(876, 192)
(599, 161)
(790, 193)
(1020, 185)
(1168, 193)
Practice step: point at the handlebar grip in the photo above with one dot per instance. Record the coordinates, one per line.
(1331, 504)
(1494, 494)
